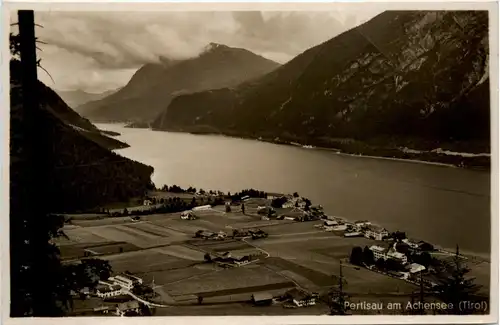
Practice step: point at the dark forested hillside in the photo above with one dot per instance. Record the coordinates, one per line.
(412, 78)
(154, 85)
(84, 174)
(51, 101)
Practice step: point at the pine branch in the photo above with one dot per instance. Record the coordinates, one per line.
(40, 66)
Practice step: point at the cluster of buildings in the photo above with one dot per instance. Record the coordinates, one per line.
(380, 252)
(117, 285)
(120, 309)
(227, 260)
(355, 229)
(412, 271)
(295, 298)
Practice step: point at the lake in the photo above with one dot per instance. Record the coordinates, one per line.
(443, 205)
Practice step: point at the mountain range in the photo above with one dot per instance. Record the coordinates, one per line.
(153, 86)
(405, 78)
(79, 97)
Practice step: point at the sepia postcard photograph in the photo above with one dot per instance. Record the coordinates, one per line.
(312, 162)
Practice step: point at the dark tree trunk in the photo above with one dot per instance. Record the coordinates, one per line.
(33, 268)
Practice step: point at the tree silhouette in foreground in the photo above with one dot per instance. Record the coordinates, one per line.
(40, 284)
(455, 286)
(337, 298)
(37, 277)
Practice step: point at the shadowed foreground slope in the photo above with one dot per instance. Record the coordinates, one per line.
(83, 174)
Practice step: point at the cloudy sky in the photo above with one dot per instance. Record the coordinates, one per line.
(99, 51)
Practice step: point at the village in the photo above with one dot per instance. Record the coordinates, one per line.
(262, 253)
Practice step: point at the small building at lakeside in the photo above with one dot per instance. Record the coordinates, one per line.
(362, 223)
(353, 234)
(330, 223)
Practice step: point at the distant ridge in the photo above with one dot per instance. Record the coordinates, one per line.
(405, 78)
(153, 86)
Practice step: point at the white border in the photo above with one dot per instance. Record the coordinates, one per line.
(202, 5)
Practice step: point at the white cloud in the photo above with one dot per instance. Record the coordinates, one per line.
(97, 51)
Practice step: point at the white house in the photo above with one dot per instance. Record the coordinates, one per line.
(378, 252)
(400, 257)
(383, 253)
(188, 215)
(123, 281)
(375, 232)
(109, 291)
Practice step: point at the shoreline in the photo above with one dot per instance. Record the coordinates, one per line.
(334, 150)
(340, 152)
(416, 161)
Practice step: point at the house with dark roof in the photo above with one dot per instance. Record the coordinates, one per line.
(301, 298)
(227, 260)
(127, 307)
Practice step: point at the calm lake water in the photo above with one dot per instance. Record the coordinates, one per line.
(444, 205)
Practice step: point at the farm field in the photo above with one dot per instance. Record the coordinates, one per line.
(165, 277)
(321, 268)
(239, 309)
(144, 261)
(298, 272)
(143, 234)
(224, 279)
(188, 227)
(79, 235)
(219, 246)
(162, 248)
(101, 222)
(181, 252)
